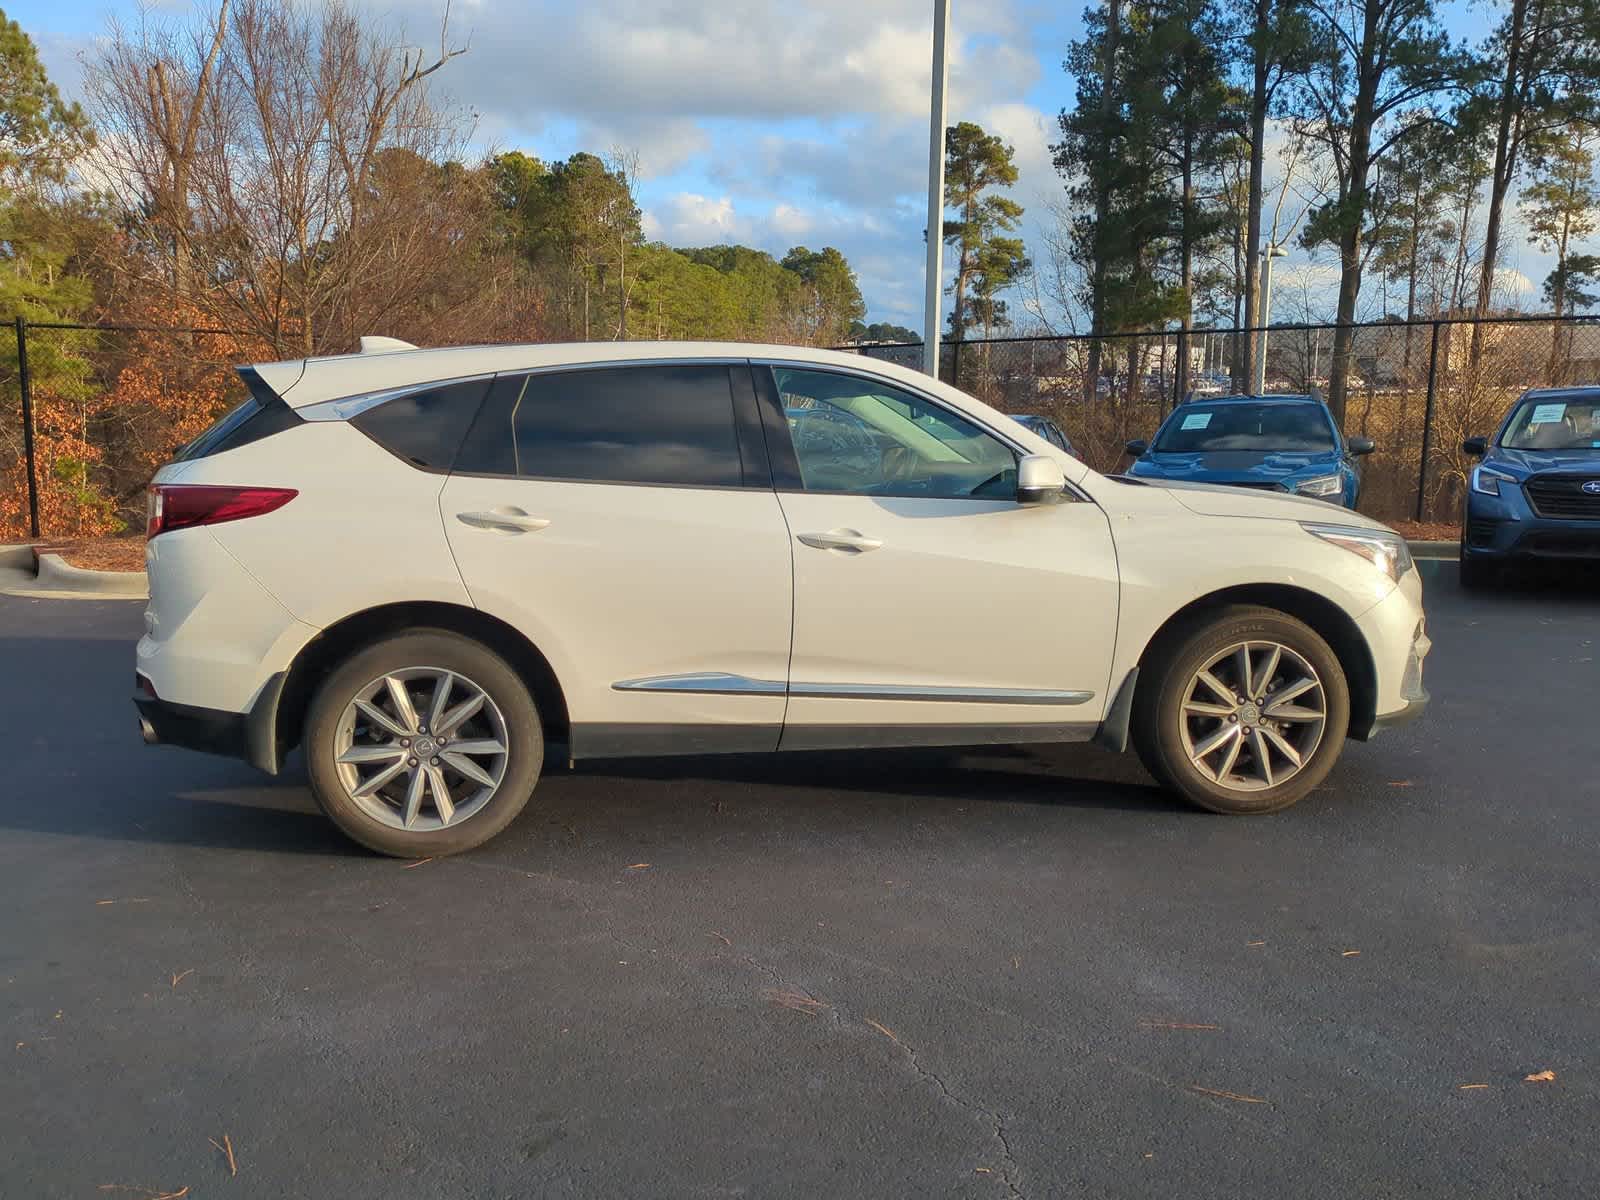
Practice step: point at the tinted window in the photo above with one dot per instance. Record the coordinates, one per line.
(425, 428)
(1262, 427)
(260, 414)
(1570, 422)
(662, 425)
(857, 435)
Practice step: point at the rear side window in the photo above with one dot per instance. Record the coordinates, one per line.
(425, 427)
(647, 425)
(260, 414)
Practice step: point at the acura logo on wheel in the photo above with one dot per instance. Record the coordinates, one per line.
(1592, 487)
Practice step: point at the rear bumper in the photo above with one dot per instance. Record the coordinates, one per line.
(251, 736)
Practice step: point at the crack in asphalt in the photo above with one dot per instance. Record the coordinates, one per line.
(1008, 1167)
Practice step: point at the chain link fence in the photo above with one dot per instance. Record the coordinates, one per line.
(88, 412)
(1416, 388)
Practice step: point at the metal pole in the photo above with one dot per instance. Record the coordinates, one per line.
(935, 282)
(26, 384)
(1427, 420)
(1260, 384)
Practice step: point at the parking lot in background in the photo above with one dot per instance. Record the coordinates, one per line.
(1010, 972)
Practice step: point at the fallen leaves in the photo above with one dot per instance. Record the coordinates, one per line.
(883, 1029)
(1205, 1091)
(1255, 943)
(226, 1146)
(1401, 783)
(638, 866)
(721, 937)
(1545, 1076)
(796, 1001)
(179, 976)
(412, 866)
(148, 1193)
(1470, 1087)
(1350, 954)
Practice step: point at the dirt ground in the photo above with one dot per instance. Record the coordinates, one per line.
(125, 553)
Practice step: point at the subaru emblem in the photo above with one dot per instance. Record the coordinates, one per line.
(1592, 487)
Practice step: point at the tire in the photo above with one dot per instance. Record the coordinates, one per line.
(1476, 574)
(1169, 722)
(483, 787)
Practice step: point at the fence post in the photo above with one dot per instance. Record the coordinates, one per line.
(1427, 420)
(26, 384)
(955, 361)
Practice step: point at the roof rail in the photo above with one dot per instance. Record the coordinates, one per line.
(383, 345)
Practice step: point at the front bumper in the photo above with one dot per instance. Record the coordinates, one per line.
(1396, 634)
(1506, 527)
(252, 736)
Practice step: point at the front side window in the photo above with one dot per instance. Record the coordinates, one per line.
(643, 425)
(1570, 423)
(860, 436)
(1201, 428)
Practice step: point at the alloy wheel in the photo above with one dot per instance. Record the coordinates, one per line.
(1253, 716)
(421, 748)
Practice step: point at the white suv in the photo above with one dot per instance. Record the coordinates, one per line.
(432, 568)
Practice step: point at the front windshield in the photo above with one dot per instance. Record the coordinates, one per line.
(1197, 428)
(1567, 424)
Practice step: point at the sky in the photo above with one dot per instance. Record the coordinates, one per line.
(772, 123)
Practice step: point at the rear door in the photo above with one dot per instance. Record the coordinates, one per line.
(623, 518)
(930, 606)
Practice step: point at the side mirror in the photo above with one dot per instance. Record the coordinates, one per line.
(1361, 445)
(1040, 479)
(1477, 447)
(1137, 447)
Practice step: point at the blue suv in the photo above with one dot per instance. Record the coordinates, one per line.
(1277, 443)
(1536, 492)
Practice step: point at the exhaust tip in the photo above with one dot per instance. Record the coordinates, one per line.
(147, 731)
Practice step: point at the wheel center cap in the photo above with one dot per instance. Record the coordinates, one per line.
(1249, 714)
(425, 747)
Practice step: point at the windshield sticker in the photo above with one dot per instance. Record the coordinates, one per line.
(1196, 421)
(1545, 414)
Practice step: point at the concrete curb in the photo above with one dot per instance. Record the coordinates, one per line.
(17, 558)
(51, 577)
(57, 574)
(1434, 549)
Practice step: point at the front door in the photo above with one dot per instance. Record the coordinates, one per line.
(929, 606)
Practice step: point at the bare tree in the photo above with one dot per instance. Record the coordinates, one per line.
(283, 168)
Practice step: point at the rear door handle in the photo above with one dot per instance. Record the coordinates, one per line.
(841, 539)
(503, 520)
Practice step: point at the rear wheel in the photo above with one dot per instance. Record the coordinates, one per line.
(423, 744)
(1244, 711)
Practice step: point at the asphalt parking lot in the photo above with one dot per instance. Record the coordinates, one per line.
(1019, 972)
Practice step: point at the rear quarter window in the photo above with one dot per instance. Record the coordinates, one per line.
(425, 427)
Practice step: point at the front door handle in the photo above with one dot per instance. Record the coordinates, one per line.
(503, 520)
(841, 539)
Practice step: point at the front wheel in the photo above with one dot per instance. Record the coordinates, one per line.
(1476, 573)
(1244, 710)
(423, 744)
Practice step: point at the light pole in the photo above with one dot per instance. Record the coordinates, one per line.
(1272, 251)
(935, 282)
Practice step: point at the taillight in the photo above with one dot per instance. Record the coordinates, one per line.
(181, 505)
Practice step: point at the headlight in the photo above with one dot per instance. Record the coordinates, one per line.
(1385, 550)
(1322, 485)
(1487, 480)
